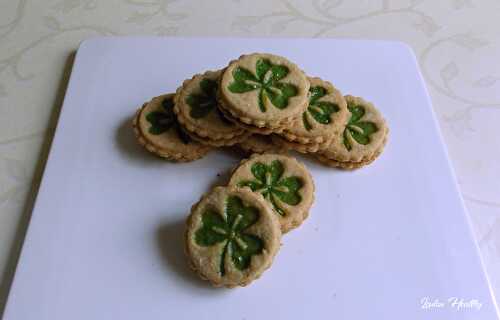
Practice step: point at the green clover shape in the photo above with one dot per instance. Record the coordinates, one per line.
(275, 189)
(358, 130)
(164, 120)
(231, 228)
(202, 103)
(320, 111)
(267, 81)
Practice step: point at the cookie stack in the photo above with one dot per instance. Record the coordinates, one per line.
(234, 232)
(158, 130)
(262, 103)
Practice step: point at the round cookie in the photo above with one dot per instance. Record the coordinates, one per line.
(263, 90)
(325, 116)
(197, 111)
(284, 182)
(257, 143)
(157, 129)
(232, 237)
(362, 139)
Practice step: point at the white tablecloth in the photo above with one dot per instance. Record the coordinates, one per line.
(457, 43)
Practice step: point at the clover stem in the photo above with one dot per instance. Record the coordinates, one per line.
(307, 125)
(262, 106)
(276, 207)
(222, 267)
(346, 141)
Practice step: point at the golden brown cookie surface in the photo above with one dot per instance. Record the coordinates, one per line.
(325, 116)
(232, 236)
(285, 183)
(363, 137)
(263, 90)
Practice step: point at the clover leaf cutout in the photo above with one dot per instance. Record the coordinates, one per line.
(358, 130)
(202, 103)
(163, 120)
(270, 183)
(231, 229)
(320, 111)
(267, 80)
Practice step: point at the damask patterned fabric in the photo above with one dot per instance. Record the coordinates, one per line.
(456, 42)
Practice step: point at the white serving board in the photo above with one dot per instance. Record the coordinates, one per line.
(105, 238)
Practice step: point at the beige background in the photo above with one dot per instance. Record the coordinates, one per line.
(457, 43)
